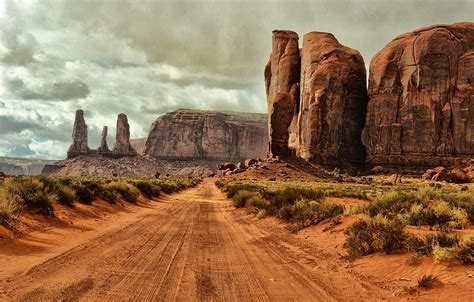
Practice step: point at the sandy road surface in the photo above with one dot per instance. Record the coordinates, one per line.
(194, 247)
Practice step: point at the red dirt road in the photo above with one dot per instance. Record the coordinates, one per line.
(191, 246)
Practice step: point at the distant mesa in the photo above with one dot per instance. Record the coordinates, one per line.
(122, 146)
(187, 134)
(418, 109)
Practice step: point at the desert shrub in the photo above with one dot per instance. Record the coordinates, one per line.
(427, 281)
(83, 193)
(443, 254)
(256, 202)
(308, 212)
(10, 208)
(232, 189)
(369, 235)
(261, 214)
(289, 195)
(416, 244)
(148, 189)
(414, 259)
(29, 192)
(448, 217)
(64, 193)
(391, 203)
(465, 253)
(110, 195)
(420, 214)
(128, 192)
(442, 239)
(241, 197)
(354, 209)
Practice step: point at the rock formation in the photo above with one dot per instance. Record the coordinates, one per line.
(104, 148)
(122, 146)
(79, 136)
(421, 88)
(333, 101)
(282, 77)
(317, 100)
(79, 145)
(217, 135)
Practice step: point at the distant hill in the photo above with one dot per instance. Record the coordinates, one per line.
(22, 166)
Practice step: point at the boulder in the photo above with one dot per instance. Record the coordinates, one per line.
(227, 166)
(79, 136)
(282, 78)
(441, 174)
(333, 101)
(250, 162)
(122, 144)
(395, 179)
(458, 176)
(377, 169)
(428, 175)
(421, 90)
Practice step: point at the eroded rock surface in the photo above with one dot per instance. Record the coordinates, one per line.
(421, 88)
(333, 101)
(122, 146)
(79, 136)
(200, 134)
(282, 77)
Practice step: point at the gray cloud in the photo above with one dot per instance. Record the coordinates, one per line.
(147, 57)
(57, 90)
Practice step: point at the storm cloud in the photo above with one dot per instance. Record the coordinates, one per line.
(147, 57)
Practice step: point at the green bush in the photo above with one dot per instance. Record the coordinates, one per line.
(147, 188)
(241, 197)
(29, 192)
(109, 195)
(256, 202)
(83, 193)
(370, 235)
(64, 193)
(128, 192)
(9, 209)
(289, 195)
(392, 203)
(465, 254)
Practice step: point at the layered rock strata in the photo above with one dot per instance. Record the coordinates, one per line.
(421, 88)
(282, 78)
(211, 135)
(317, 98)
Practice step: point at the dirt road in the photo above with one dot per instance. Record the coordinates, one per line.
(192, 247)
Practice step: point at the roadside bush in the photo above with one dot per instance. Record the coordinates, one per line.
(9, 209)
(241, 197)
(465, 253)
(128, 192)
(449, 217)
(256, 202)
(147, 188)
(109, 195)
(370, 235)
(443, 254)
(83, 193)
(309, 212)
(442, 239)
(64, 193)
(29, 192)
(391, 203)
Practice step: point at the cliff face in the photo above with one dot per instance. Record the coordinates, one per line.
(282, 77)
(317, 98)
(333, 101)
(421, 88)
(199, 134)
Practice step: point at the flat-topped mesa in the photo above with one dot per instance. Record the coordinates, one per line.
(208, 135)
(104, 148)
(79, 136)
(333, 102)
(421, 88)
(122, 146)
(282, 77)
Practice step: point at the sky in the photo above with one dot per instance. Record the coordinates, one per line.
(146, 58)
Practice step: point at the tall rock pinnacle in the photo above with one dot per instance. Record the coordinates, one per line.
(282, 77)
(104, 148)
(79, 136)
(122, 144)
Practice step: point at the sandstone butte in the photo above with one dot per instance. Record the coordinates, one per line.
(421, 89)
(419, 109)
(187, 134)
(316, 98)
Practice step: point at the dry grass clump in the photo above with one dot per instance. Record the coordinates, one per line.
(28, 192)
(128, 192)
(427, 281)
